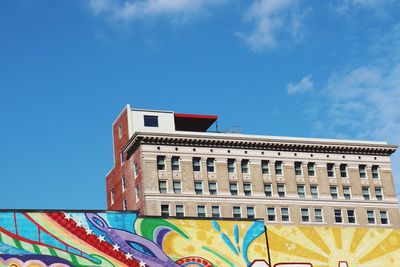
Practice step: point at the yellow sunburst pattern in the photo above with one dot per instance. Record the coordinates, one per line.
(327, 246)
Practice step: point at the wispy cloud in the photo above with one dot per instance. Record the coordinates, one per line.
(304, 85)
(362, 101)
(272, 21)
(128, 11)
(348, 6)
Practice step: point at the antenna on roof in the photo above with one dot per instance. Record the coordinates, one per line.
(234, 129)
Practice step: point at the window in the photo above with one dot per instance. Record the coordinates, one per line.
(300, 191)
(268, 190)
(271, 214)
(160, 163)
(196, 164)
(378, 193)
(231, 166)
(198, 187)
(150, 121)
(365, 192)
(236, 212)
(384, 217)
(297, 168)
(305, 215)
(210, 165)
(346, 192)
(201, 211)
(311, 168)
(314, 191)
(122, 157)
(179, 211)
(281, 190)
(212, 187)
(233, 188)
(250, 212)
(318, 215)
(375, 171)
(370, 217)
(123, 184)
(175, 163)
(215, 211)
(343, 170)
(137, 192)
(362, 171)
(333, 190)
(278, 167)
(120, 131)
(351, 216)
(247, 189)
(124, 205)
(330, 169)
(112, 196)
(135, 169)
(285, 217)
(338, 215)
(177, 186)
(265, 166)
(164, 210)
(162, 187)
(244, 165)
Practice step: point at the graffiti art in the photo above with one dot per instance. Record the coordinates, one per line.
(111, 239)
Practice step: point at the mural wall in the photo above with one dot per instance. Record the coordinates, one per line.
(59, 239)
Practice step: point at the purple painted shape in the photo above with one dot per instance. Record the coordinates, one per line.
(121, 237)
(160, 233)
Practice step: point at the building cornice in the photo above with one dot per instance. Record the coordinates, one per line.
(260, 142)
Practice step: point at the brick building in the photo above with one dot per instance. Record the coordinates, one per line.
(169, 164)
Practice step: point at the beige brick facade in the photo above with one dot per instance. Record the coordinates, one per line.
(237, 176)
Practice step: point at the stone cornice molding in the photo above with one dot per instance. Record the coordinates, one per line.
(267, 143)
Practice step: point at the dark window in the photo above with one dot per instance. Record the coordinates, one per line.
(311, 169)
(278, 167)
(210, 165)
(201, 211)
(343, 170)
(179, 211)
(338, 216)
(250, 212)
(233, 188)
(164, 210)
(362, 171)
(265, 166)
(212, 187)
(196, 164)
(236, 212)
(245, 166)
(150, 121)
(198, 187)
(331, 172)
(297, 168)
(375, 171)
(160, 163)
(162, 186)
(351, 216)
(247, 189)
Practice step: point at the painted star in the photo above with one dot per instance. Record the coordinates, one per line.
(78, 223)
(128, 256)
(116, 247)
(142, 263)
(67, 216)
(89, 231)
(101, 238)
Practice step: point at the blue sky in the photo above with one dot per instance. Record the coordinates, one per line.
(291, 68)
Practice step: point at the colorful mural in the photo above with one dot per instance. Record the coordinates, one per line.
(123, 239)
(59, 239)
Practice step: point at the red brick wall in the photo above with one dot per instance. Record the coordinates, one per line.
(114, 178)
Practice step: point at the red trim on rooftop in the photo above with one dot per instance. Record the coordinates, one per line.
(196, 116)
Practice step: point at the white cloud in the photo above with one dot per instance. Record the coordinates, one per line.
(272, 21)
(304, 85)
(133, 10)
